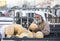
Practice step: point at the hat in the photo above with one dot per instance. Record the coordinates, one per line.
(41, 13)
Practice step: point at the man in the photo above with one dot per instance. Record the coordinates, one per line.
(43, 26)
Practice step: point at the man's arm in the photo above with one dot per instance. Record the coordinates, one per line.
(46, 29)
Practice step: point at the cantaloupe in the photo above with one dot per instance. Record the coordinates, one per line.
(17, 35)
(33, 27)
(39, 35)
(22, 30)
(9, 30)
(8, 36)
(33, 34)
(30, 34)
(16, 27)
(22, 35)
(19, 29)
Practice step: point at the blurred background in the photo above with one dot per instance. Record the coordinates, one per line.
(7, 5)
(12, 10)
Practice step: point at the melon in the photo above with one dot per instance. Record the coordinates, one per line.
(30, 34)
(9, 30)
(24, 35)
(39, 35)
(22, 30)
(33, 27)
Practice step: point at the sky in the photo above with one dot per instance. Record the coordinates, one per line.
(19, 3)
(11, 3)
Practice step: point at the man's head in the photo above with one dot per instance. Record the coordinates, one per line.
(38, 17)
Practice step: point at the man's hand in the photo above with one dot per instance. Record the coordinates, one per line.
(38, 22)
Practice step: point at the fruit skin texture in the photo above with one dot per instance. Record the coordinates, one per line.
(16, 27)
(39, 35)
(33, 27)
(21, 30)
(31, 35)
(9, 30)
(25, 34)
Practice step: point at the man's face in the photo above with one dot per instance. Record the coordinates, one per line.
(37, 17)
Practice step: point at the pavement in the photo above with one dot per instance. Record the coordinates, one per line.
(30, 40)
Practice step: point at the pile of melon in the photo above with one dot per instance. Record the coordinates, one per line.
(22, 32)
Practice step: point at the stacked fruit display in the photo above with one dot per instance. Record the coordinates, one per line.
(19, 31)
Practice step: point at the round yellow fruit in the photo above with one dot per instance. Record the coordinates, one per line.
(8, 36)
(30, 34)
(24, 35)
(9, 30)
(19, 28)
(33, 27)
(16, 27)
(33, 34)
(22, 30)
(17, 35)
(39, 35)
